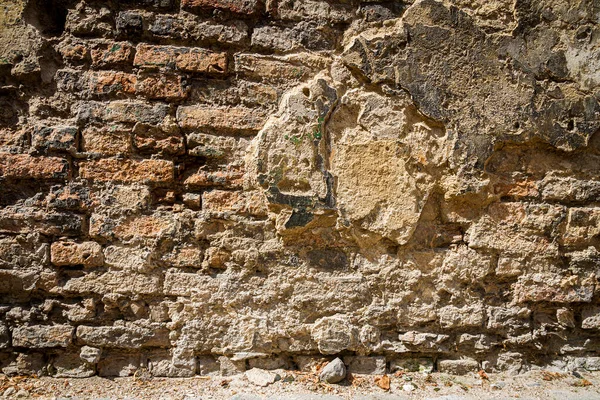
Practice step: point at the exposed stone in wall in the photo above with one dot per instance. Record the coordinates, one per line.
(199, 187)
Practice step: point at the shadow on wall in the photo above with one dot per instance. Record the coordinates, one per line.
(47, 16)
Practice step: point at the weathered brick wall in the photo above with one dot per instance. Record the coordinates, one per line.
(198, 186)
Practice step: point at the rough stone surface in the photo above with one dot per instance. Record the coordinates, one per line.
(260, 377)
(197, 186)
(333, 372)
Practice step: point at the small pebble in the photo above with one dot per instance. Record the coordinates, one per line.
(22, 393)
(409, 387)
(533, 384)
(498, 385)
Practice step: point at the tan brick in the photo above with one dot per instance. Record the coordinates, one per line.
(112, 82)
(235, 6)
(123, 111)
(245, 203)
(106, 140)
(23, 166)
(279, 69)
(161, 86)
(129, 171)
(187, 284)
(186, 59)
(145, 226)
(226, 119)
(129, 336)
(88, 254)
(226, 178)
(583, 225)
(110, 54)
(123, 282)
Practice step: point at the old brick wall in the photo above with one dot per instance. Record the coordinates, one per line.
(195, 186)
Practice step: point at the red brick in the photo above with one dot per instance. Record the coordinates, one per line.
(74, 52)
(112, 82)
(12, 140)
(129, 171)
(23, 166)
(181, 58)
(152, 139)
(235, 6)
(111, 54)
(88, 254)
(106, 141)
(228, 119)
(202, 61)
(164, 87)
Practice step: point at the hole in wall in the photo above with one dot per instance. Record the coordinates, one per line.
(47, 16)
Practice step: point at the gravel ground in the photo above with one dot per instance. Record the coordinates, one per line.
(305, 386)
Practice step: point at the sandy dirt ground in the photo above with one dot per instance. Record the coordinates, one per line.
(294, 385)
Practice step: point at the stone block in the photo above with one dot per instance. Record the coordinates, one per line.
(111, 83)
(156, 140)
(161, 363)
(109, 54)
(88, 254)
(56, 138)
(162, 87)
(4, 337)
(156, 225)
(583, 225)
(456, 317)
(228, 367)
(187, 59)
(283, 70)
(458, 367)
(127, 171)
(128, 259)
(123, 111)
(211, 146)
(243, 203)
(24, 166)
(122, 282)
(220, 119)
(42, 336)
(119, 364)
(106, 141)
(90, 355)
(69, 365)
(129, 336)
(230, 178)
(590, 316)
(248, 7)
(371, 365)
